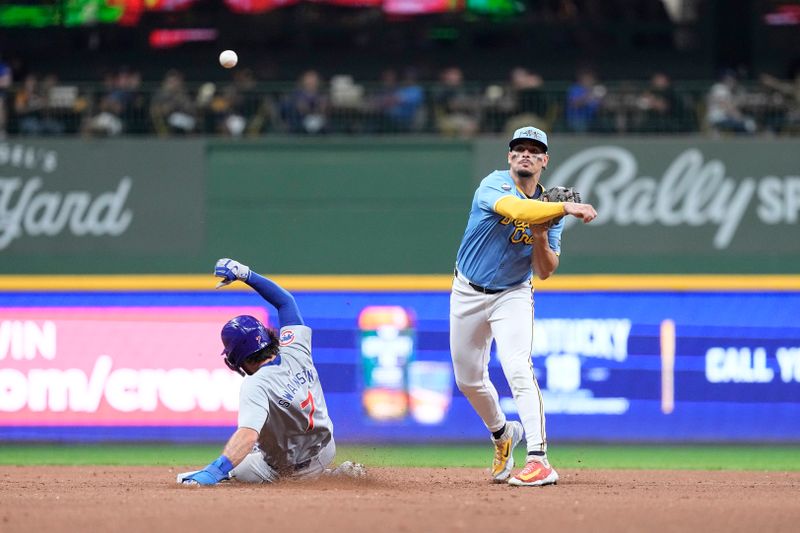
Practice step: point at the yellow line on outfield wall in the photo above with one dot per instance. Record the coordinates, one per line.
(402, 283)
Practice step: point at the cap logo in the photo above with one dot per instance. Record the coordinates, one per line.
(287, 337)
(529, 132)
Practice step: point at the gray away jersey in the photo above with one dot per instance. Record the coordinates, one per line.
(283, 401)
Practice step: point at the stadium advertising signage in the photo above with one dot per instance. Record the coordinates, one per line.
(649, 366)
(70, 13)
(119, 366)
(695, 189)
(43, 13)
(56, 200)
(665, 205)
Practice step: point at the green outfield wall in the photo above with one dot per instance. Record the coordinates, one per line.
(317, 205)
(368, 206)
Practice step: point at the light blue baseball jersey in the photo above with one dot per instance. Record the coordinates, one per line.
(283, 401)
(495, 252)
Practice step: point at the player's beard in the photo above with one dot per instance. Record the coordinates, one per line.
(524, 173)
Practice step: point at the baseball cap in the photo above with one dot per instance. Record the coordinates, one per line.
(529, 133)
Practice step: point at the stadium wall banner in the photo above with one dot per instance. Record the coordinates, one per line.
(386, 206)
(643, 366)
(96, 205)
(116, 366)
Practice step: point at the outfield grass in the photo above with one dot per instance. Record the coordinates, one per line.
(776, 458)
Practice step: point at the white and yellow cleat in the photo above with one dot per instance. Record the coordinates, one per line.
(535, 474)
(503, 462)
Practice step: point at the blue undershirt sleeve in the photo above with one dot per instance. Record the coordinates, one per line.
(280, 298)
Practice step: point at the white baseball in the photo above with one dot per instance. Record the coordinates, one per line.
(228, 59)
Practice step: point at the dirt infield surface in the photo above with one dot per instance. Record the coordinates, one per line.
(127, 499)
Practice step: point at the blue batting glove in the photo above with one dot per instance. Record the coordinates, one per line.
(212, 474)
(230, 271)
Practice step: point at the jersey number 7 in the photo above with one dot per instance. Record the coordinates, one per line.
(305, 403)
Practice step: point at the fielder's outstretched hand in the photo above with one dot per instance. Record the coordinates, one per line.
(230, 271)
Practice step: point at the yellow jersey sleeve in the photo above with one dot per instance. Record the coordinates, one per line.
(530, 211)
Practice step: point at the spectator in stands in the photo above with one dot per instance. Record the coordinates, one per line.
(530, 105)
(232, 109)
(723, 112)
(127, 92)
(250, 104)
(259, 108)
(584, 98)
(65, 106)
(348, 111)
(305, 109)
(233, 122)
(383, 100)
(120, 108)
(107, 120)
(207, 108)
(172, 109)
(409, 111)
(789, 92)
(456, 109)
(221, 109)
(5, 84)
(400, 105)
(29, 106)
(662, 109)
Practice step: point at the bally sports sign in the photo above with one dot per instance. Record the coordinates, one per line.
(694, 190)
(116, 366)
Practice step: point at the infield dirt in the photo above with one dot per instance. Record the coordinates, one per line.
(128, 499)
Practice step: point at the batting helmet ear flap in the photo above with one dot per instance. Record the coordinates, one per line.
(230, 364)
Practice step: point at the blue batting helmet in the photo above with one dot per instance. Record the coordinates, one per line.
(243, 336)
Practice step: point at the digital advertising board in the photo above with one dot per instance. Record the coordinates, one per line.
(649, 366)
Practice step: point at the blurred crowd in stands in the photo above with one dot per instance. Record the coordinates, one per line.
(123, 104)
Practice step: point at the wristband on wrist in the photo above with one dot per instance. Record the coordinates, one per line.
(224, 464)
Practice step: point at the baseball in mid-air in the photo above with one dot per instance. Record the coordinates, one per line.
(228, 58)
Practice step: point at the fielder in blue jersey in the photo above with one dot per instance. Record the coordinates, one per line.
(511, 234)
(284, 429)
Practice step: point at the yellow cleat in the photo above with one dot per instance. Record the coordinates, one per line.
(504, 451)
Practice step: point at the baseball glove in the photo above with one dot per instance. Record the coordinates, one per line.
(561, 194)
